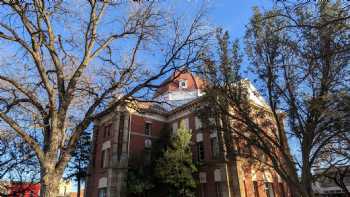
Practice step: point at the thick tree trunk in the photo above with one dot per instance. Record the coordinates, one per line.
(49, 183)
(307, 193)
(306, 183)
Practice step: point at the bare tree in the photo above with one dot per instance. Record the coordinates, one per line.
(299, 53)
(66, 63)
(17, 163)
(337, 159)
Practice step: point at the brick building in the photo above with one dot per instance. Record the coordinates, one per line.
(128, 132)
(325, 186)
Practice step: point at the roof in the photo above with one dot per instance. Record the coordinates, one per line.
(172, 82)
(170, 99)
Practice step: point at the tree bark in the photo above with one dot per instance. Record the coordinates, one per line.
(306, 176)
(49, 183)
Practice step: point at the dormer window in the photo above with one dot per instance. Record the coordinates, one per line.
(183, 84)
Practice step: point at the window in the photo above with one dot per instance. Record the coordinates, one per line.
(256, 189)
(218, 189)
(102, 192)
(200, 151)
(217, 175)
(148, 152)
(186, 123)
(148, 127)
(282, 189)
(103, 155)
(203, 190)
(104, 131)
(245, 187)
(107, 130)
(215, 148)
(269, 189)
(147, 156)
(202, 177)
(198, 123)
(183, 84)
(212, 122)
(174, 127)
(148, 143)
(203, 184)
(104, 158)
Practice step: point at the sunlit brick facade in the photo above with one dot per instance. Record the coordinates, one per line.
(127, 133)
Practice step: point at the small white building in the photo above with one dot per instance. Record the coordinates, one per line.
(326, 186)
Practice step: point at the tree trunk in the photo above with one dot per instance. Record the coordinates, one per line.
(78, 184)
(306, 176)
(307, 186)
(49, 186)
(49, 183)
(307, 193)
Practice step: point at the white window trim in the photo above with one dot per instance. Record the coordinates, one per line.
(148, 143)
(186, 123)
(102, 182)
(198, 123)
(174, 127)
(217, 175)
(105, 158)
(183, 81)
(106, 145)
(199, 137)
(203, 177)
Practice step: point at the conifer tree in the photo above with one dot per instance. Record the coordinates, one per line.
(78, 166)
(175, 168)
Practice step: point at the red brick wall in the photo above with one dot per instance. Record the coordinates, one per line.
(138, 137)
(261, 183)
(96, 171)
(138, 125)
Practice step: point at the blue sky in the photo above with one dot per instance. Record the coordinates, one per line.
(231, 15)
